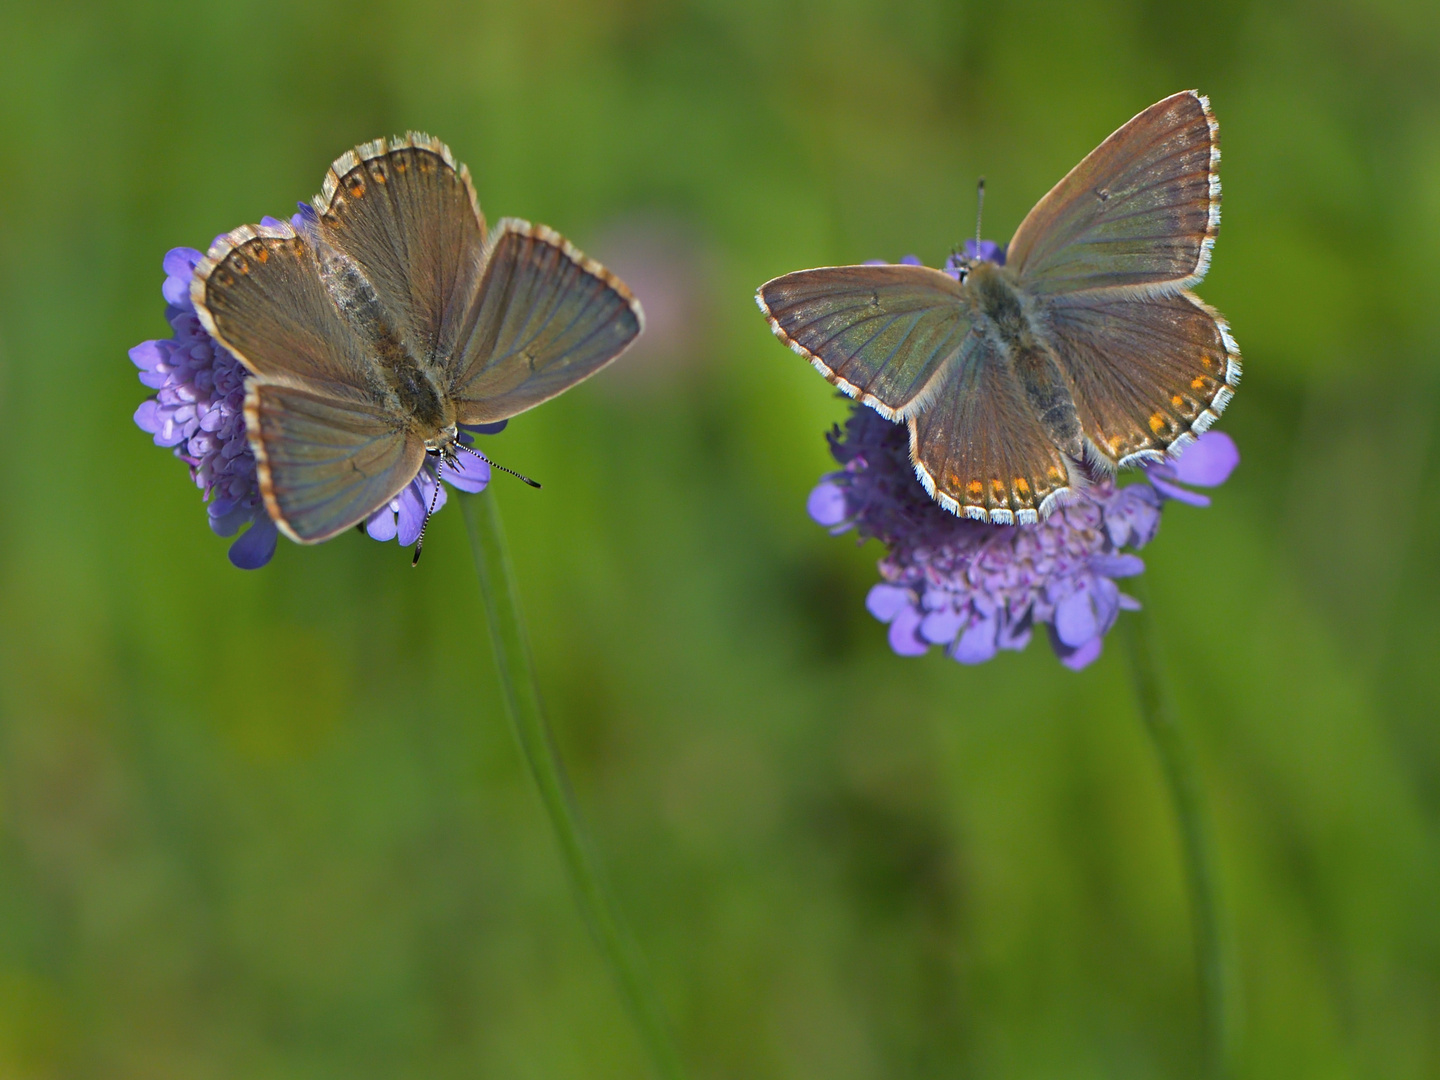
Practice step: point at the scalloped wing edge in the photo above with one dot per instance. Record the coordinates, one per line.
(347, 162)
(1212, 221)
(264, 480)
(911, 408)
(1055, 500)
(217, 253)
(1217, 404)
(576, 256)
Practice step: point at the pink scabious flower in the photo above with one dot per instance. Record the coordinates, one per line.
(973, 588)
(198, 409)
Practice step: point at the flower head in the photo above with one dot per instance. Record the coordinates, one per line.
(199, 410)
(974, 588)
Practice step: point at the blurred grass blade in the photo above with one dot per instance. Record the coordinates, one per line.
(1177, 761)
(527, 716)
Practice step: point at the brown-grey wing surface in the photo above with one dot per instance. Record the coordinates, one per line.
(325, 463)
(406, 215)
(545, 317)
(1148, 374)
(259, 292)
(879, 333)
(979, 448)
(1140, 213)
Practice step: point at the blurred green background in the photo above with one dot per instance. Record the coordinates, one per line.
(273, 824)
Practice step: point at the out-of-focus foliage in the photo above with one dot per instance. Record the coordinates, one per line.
(272, 824)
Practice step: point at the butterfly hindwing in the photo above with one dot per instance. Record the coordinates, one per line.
(980, 449)
(406, 214)
(1140, 213)
(326, 462)
(879, 333)
(1148, 374)
(544, 318)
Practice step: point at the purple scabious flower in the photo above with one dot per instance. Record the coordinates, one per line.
(199, 410)
(974, 588)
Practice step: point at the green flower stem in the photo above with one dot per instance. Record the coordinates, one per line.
(527, 717)
(1178, 763)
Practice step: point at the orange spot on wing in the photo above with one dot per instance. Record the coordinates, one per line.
(1157, 423)
(1022, 485)
(975, 489)
(1197, 383)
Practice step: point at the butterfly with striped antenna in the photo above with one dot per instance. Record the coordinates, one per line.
(1084, 351)
(389, 318)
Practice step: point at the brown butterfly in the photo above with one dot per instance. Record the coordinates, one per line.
(389, 318)
(1084, 347)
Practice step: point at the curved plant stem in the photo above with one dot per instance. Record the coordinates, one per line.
(527, 718)
(1178, 763)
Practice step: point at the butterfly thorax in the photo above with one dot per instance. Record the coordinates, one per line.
(1010, 320)
(408, 380)
(998, 305)
(420, 399)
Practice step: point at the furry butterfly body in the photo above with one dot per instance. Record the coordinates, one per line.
(1084, 349)
(388, 318)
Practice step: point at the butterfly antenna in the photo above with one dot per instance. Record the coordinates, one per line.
(979, 208)
(420, 540)
(502, 468)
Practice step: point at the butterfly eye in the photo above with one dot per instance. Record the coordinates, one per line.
(964, 272)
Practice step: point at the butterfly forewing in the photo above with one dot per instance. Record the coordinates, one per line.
(880, 333)
(326, 463)
(1146, 373)
(407, 216)
(545, 317)
(1140, 213)
(979, 448)
(259, 292)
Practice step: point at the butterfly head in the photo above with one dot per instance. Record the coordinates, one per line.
(443, 442)
(973, 253)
